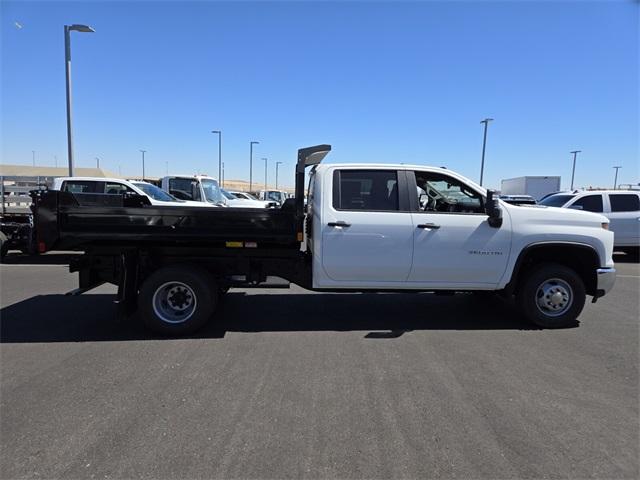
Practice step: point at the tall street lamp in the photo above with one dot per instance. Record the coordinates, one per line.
(143, 152)
(265, 173)
(573, 170)
(67, 60)
(219, 132)
(277, 163)
(251, 144)
(222, 178)
(33, 157)
(615, 180)
(484, 146)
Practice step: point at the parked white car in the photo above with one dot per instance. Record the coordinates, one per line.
(117, 186)
(234, 202)
(621, 207)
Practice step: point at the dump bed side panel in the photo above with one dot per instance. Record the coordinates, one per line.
(63, 222)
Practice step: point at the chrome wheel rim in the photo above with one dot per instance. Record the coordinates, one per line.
(174, 302)
(554, 297)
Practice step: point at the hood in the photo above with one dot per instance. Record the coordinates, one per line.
(556, 215)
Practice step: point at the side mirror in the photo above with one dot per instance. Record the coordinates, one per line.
(493, 210)
(576, 207)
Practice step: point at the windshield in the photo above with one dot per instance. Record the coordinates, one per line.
(211, 191)
(228, 195)
(556, 200)
(155, 193)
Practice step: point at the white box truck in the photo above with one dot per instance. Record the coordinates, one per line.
(536, 187)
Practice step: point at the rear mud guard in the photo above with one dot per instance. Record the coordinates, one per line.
(126, 299)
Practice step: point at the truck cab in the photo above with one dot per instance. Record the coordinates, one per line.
(373, 227)
(197, 188)
(278, 196)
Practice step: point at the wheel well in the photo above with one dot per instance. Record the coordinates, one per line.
(582, 259)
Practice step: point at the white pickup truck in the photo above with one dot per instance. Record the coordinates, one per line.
(91, 186)
(366, 227)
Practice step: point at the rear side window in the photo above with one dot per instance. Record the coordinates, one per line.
(372, 190)
(624, 202)
(590, 203)
(80, 186)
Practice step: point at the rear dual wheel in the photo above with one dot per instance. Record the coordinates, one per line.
(177, 300)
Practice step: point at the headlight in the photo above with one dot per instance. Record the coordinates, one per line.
(605, 225)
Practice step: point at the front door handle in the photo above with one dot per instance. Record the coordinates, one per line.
(430, 226)
(339, 224)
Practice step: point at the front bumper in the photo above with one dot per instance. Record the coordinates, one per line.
(606, 280)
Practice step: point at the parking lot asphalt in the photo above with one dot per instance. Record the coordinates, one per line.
(294, 384)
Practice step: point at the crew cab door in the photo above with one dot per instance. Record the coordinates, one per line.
(454, 245)
(367, 231)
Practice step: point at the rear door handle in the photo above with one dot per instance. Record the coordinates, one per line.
(430, 226)
(339, 224)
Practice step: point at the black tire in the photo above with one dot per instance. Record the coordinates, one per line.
(550, 281)
(177, 300)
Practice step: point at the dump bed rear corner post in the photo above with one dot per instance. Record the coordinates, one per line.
(306, 157)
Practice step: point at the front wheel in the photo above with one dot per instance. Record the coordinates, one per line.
(551, 296)
(177, 300)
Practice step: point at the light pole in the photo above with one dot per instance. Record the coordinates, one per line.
(67, 61)
(97, 162)
(277, 163)
(251, 144)
(33, 157)
(265, 173)
(222, 179)
(219, 132)
(573, 171)
(143, 152)
(615, 180)
(484, 146)
(55, 159)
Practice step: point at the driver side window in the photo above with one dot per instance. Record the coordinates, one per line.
(438, 193)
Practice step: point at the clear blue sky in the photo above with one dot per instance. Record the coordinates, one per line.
(383, 82)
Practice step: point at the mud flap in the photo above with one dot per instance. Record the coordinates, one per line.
(126, 299)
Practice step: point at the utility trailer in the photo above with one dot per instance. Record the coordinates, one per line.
(16, 219)
(366, 227)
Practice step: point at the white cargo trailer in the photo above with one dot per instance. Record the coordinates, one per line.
(537, 187)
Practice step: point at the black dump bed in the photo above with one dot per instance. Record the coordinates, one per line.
(66, 221)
